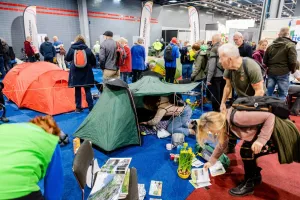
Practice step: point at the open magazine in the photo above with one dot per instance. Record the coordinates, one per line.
(110, 179)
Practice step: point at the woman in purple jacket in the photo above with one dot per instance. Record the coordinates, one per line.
(258, 55)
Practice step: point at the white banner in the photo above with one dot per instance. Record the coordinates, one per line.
(145, 24)
(194, 25)
(30, 26)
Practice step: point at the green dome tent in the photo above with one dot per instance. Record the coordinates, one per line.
(113, 121)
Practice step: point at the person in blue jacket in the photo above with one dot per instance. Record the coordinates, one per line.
(138, 56)
(47, 50)
(171, 54)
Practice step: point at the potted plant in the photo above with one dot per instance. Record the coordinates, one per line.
(185, 162)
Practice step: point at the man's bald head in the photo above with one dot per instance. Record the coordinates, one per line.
(284, 32)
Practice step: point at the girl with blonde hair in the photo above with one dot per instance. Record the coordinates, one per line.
(256, 129)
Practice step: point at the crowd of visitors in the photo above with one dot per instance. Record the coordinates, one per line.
(228, 71)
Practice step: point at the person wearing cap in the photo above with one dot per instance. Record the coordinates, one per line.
(170, 63)
(138, 55)
(108, 57)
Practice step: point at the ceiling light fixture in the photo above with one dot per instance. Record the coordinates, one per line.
(247, 8)
(239, 5)
(232, 12)
(230, 2)
(173, 1)
(205, 4)
(253, 10)
(216, 7)
(225, 10)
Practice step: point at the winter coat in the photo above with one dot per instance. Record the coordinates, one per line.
(47, 50)
(184, 53)
(108, 57)
(199, 69)
(281, 56)
(127, 66)
(5, 52)
(214, 68)
(258, 55)
(245, 50)
(175, 55)
(28, 49)
(138, 56)
(81, 76)
(1, 48)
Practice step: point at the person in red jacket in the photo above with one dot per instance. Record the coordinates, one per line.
(126, 68)
(258, 55)
(29, 50)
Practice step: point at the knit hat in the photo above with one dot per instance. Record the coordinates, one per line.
(174, 40)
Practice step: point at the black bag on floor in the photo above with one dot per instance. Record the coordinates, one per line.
(265, 104)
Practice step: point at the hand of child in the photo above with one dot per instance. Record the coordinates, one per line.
(207, 165)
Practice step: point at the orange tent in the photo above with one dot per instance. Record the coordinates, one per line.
(40, 86)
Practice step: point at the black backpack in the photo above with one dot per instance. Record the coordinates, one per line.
(263, 104)
(169, 53)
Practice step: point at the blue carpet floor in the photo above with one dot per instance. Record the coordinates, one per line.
(151, 159)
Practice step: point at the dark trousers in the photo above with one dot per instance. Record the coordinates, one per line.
(97, 60)
(2, 67)
(249, 158)
(170, 74)
(4, 111)
(32, 196)
(88, 95)
(48, 60)
(136, 75)
(217, 87)
(31, 59)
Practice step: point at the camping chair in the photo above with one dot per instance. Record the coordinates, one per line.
(83, 158)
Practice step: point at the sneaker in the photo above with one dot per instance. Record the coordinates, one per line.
(4, 119)
(78, 110)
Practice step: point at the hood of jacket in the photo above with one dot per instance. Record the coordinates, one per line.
(79, 45)
(281, 42)
(26, 42)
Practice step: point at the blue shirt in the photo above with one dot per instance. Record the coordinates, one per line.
(175, 55)
(57, 46)
(138, 56)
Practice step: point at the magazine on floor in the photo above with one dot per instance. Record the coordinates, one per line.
(217, 169)
(200, 178)
(109, 184)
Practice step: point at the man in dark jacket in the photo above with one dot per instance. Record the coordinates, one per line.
(2, 72)
(244, 49)
(47, 50)
(281, 59)
(108, 58)
(171, 54)
(29, 50)
(215, 79)
(187, 63)
(2, 104)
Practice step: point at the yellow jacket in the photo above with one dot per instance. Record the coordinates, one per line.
(157, 46)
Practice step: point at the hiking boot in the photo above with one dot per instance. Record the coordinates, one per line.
(78, 110)
(4, 119)
(243, 189)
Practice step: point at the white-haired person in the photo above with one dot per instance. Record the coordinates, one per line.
(244, 48)
(125, 69)
(274, 135)
(138, 54)
(241, 74)
(60, 53)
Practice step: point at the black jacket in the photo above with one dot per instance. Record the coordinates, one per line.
(47, 50)
(1, 49)
(81, 76)
(245, 50)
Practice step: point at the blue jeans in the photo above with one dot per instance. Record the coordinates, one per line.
(97, 60)
(124, 76)
(2, 66)
(283, 85)
(179, 124)
(88, 96)
(187, 70)
(200, 89)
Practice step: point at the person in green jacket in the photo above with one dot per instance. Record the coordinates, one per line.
(30, 153)
(199, 69)
(157, 45)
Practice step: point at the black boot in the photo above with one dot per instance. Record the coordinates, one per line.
(243, 189)
(257, 176)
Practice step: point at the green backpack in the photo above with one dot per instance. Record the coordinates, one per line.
(207, 151)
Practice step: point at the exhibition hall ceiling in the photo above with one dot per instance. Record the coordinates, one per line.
(235, 8)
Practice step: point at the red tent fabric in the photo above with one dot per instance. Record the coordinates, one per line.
(40, 86)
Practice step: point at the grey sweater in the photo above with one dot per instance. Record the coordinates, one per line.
(108, 55)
